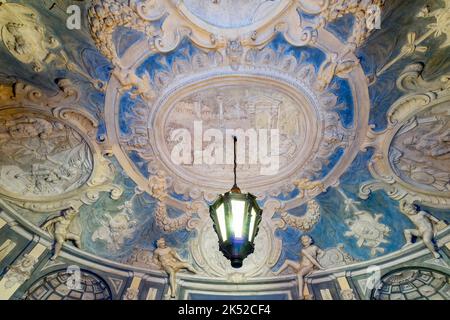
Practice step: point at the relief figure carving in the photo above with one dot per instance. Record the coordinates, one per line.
(41, 156)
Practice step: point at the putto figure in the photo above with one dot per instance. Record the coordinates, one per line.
(169, 260)
(307, 264)
(426, 224)
(59, 228)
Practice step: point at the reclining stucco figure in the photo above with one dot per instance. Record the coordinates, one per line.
(307, 264)
(59, 228)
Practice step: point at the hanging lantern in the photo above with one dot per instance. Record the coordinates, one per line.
(236, 218)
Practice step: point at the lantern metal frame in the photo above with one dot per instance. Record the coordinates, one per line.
(235, 244)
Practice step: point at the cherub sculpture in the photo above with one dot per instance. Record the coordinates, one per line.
(307, 264)
(59, 228)
(426, 226)
(169, 260)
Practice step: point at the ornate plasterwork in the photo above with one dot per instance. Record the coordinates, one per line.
(238, 104)
(223, 14)
(227, 61)
(366, 13)
(24, 36)
(316, 124)
(116, 230)
(412, 284)
(305, 222)
(6, 247)
(20, 271)
(336, 257)
(365, 227)
(210, 261)
(411, 158)
(368, 231)
(106, 15)
(213, 24)
(166, 23)
(179, 21)
(441, 27)
(51, 159)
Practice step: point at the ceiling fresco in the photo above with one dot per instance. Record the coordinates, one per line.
(106, 118)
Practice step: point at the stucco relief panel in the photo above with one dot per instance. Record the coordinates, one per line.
(41, 156)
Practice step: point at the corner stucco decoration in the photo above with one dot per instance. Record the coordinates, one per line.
(50, 157)
(227, 56)
(418, 126)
